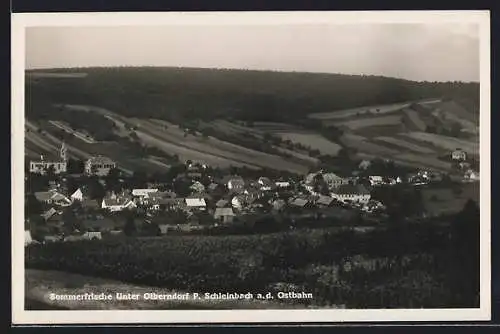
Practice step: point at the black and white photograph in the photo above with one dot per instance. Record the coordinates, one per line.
(264, 167)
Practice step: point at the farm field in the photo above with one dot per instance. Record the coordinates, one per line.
(211, 150)
(355, 124)
(313, 140)
(388, 108)
(414, 119)
(75, 133)
(404, 145)
(448, 143)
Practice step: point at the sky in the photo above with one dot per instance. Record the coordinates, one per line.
(421, 52)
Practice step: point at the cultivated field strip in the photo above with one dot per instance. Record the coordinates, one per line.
(218, 147)
(415, 119)
(404, 145)
(312, 140)
(75, 133)
(379, 109)
(448, 143)
(372, 121)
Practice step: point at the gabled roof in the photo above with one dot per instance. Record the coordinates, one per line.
(223, 212)
(324, 200)
(330, 177)
(195, 202)
(48, 214)
(221, 203)
(212, 186)
(143, 192)
(100, 160)
(348, 189)
(301, 202)
(118, 201)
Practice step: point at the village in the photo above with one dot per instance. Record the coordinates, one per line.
(100, 202)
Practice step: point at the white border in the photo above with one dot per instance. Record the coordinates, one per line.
(21, 21)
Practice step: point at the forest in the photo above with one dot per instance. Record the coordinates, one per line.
(182, 94)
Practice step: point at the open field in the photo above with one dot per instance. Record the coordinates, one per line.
(448, 143)
(170, 139)
(414, 119)
(380, 109)
(40, 283)
(313, 140)
(404, 145)
(75, 133)
(372, 121)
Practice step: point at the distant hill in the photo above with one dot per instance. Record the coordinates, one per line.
(183, 93)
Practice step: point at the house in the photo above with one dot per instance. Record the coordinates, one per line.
(92, 235)
(222, 203)
(282, 184)
(365, 164)
(49, 214)
(77, 195)
(42, 166)
(333, 180)
(235, 183)
(458, 155)
(278, 205)
(173, 203)
(143, 192)
(265, 183)
(197, 187)
(196, 203)
(298, 202)
(351, 193)
(224, 215)
(52, 197)
(240, 201)
(164, 228)
(99, 166)
(27, 237)
(376, 180)
(324, 201)
(52, 238)
(471, 175)
(115, 203)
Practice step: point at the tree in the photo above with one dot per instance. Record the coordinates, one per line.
(113, 180)
(32, 205)
(130, 229)
(75, 166)
(50, 171)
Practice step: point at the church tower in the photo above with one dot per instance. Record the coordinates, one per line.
(63, 152)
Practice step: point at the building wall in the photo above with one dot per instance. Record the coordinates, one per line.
(40, 167)
(100, 169)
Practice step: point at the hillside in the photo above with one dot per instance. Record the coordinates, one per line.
(186, 93)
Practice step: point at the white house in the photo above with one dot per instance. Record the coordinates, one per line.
(99, 166)
(333, 180)
(224, 215)
(53, 197)
(196, 203)
(376, 180)
(41, 166)
(92, 235)
(282, 184)
(235, 183)
(143, 192)
(238, 202)
(114, 203)
(471, 175)
(265, 183)
(352, 193)
(27, 238)
(459, 155)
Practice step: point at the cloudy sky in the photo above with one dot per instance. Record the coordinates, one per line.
(432, 52)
